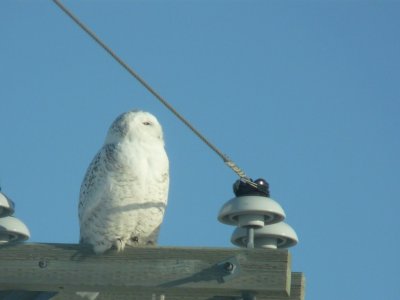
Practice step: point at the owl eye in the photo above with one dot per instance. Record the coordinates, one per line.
(146, 123)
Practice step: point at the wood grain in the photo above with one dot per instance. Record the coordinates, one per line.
(178, 273)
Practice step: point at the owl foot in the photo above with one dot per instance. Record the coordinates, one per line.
(119, 244)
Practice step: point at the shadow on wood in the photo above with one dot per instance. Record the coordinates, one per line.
(139, 273)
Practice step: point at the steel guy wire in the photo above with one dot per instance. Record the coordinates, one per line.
(224, 157)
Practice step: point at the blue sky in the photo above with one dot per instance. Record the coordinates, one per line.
(302, 93)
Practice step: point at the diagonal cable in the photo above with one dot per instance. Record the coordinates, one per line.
(224, 157)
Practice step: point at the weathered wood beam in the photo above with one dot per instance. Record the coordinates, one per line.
(297, 293)
(175, 272)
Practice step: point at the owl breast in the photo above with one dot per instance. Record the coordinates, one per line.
(130, 207)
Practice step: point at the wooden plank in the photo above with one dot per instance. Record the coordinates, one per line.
(297, 293)
(297, 290)
(176, 272)
(27, 295)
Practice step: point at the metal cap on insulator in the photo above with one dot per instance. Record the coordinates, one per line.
(248, 187)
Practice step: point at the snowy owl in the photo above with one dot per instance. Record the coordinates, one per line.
(124, 193)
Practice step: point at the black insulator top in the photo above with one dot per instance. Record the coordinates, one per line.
(248, 187)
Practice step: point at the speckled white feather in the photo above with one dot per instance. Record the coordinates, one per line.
(125, 190)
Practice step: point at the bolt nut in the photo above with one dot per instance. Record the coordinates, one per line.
(42, 264)
(229, 267)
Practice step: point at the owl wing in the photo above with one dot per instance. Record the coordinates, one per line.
(94, 183)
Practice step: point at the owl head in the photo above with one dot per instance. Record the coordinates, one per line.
(135, 126)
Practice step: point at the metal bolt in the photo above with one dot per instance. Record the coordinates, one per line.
(42, 264)
(229, 267)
